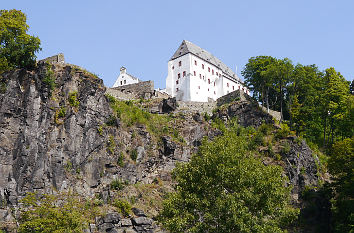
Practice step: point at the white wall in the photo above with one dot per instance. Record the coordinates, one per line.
(124, 79)
(195, 86)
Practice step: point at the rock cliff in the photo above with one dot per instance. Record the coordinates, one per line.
(59, 133)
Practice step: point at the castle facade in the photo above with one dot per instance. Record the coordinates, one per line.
(194, 74)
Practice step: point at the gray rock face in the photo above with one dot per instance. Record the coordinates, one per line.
(168, 105)
(300, 166)
(247, 113)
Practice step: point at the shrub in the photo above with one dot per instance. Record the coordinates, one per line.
(117, 184)
(285, 148)
(120, 161)
(60, 213)
(111, 144)
(283, 132)
(73, 99)
(49, 78)
(134, 154)
(123, 206)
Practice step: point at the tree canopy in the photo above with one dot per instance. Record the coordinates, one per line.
(17, 48)
(224, 188)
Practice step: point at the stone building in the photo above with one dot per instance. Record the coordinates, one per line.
(124, 78)
(194, 74)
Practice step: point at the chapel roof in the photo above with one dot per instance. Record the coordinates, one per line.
(188, 47)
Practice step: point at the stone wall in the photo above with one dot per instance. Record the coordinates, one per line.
(139, 90)
(200, 107)
(59, 58)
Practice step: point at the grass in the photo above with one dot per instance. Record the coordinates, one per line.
(131, 115)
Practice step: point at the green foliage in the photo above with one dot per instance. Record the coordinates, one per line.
(100, 130)
(283, 132)
(73, 101)
(111, 144)
(134, 154)
(341, 165)
(17, 48)
(117, 184)
(59, 114)
(130, 115)
(123, 206)
(49, 213)
(224, 188)
(120, 161)
(3, 87)
(49, 78)
(285, 148)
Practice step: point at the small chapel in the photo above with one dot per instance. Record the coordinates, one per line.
(194, 74)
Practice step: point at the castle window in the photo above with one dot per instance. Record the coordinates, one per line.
(195, 62)
(203, 66)
(208, 69)
(214, 84)
(227, 84)
(212, 72)
(217, 74)
(179, 75)
(121, 83)
(214, 93)
(177, 89)
(208, 80)
(195, 74)
(177, 82)
(180, 63)
(184, 73)
(239, 87)
(208, 89)
(125, 81)
(200, 76)
(173, 67)
(198, 87)
(233, 88)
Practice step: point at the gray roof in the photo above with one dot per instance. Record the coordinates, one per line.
(188, 47)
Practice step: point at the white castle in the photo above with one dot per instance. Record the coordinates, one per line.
(194, 74)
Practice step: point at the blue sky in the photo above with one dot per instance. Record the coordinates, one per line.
(102, 36)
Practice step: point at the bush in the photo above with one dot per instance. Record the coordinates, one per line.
(73, 99)
(49, 78)
(285, 148)
(134, 154)
(123, 207)
(120, 161)
(117, 184)
(49, 213)
(283, 132)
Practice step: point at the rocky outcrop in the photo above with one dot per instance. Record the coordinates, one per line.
(247, 113)
(300, 166)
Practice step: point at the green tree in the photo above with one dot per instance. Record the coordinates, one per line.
(17, 48)
(259, 84)
(334, 99)
(224, 188)
(341, 166)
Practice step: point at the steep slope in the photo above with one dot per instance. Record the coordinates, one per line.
(59, 132)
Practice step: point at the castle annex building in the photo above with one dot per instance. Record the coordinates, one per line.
(124, 78)
(194, 74)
